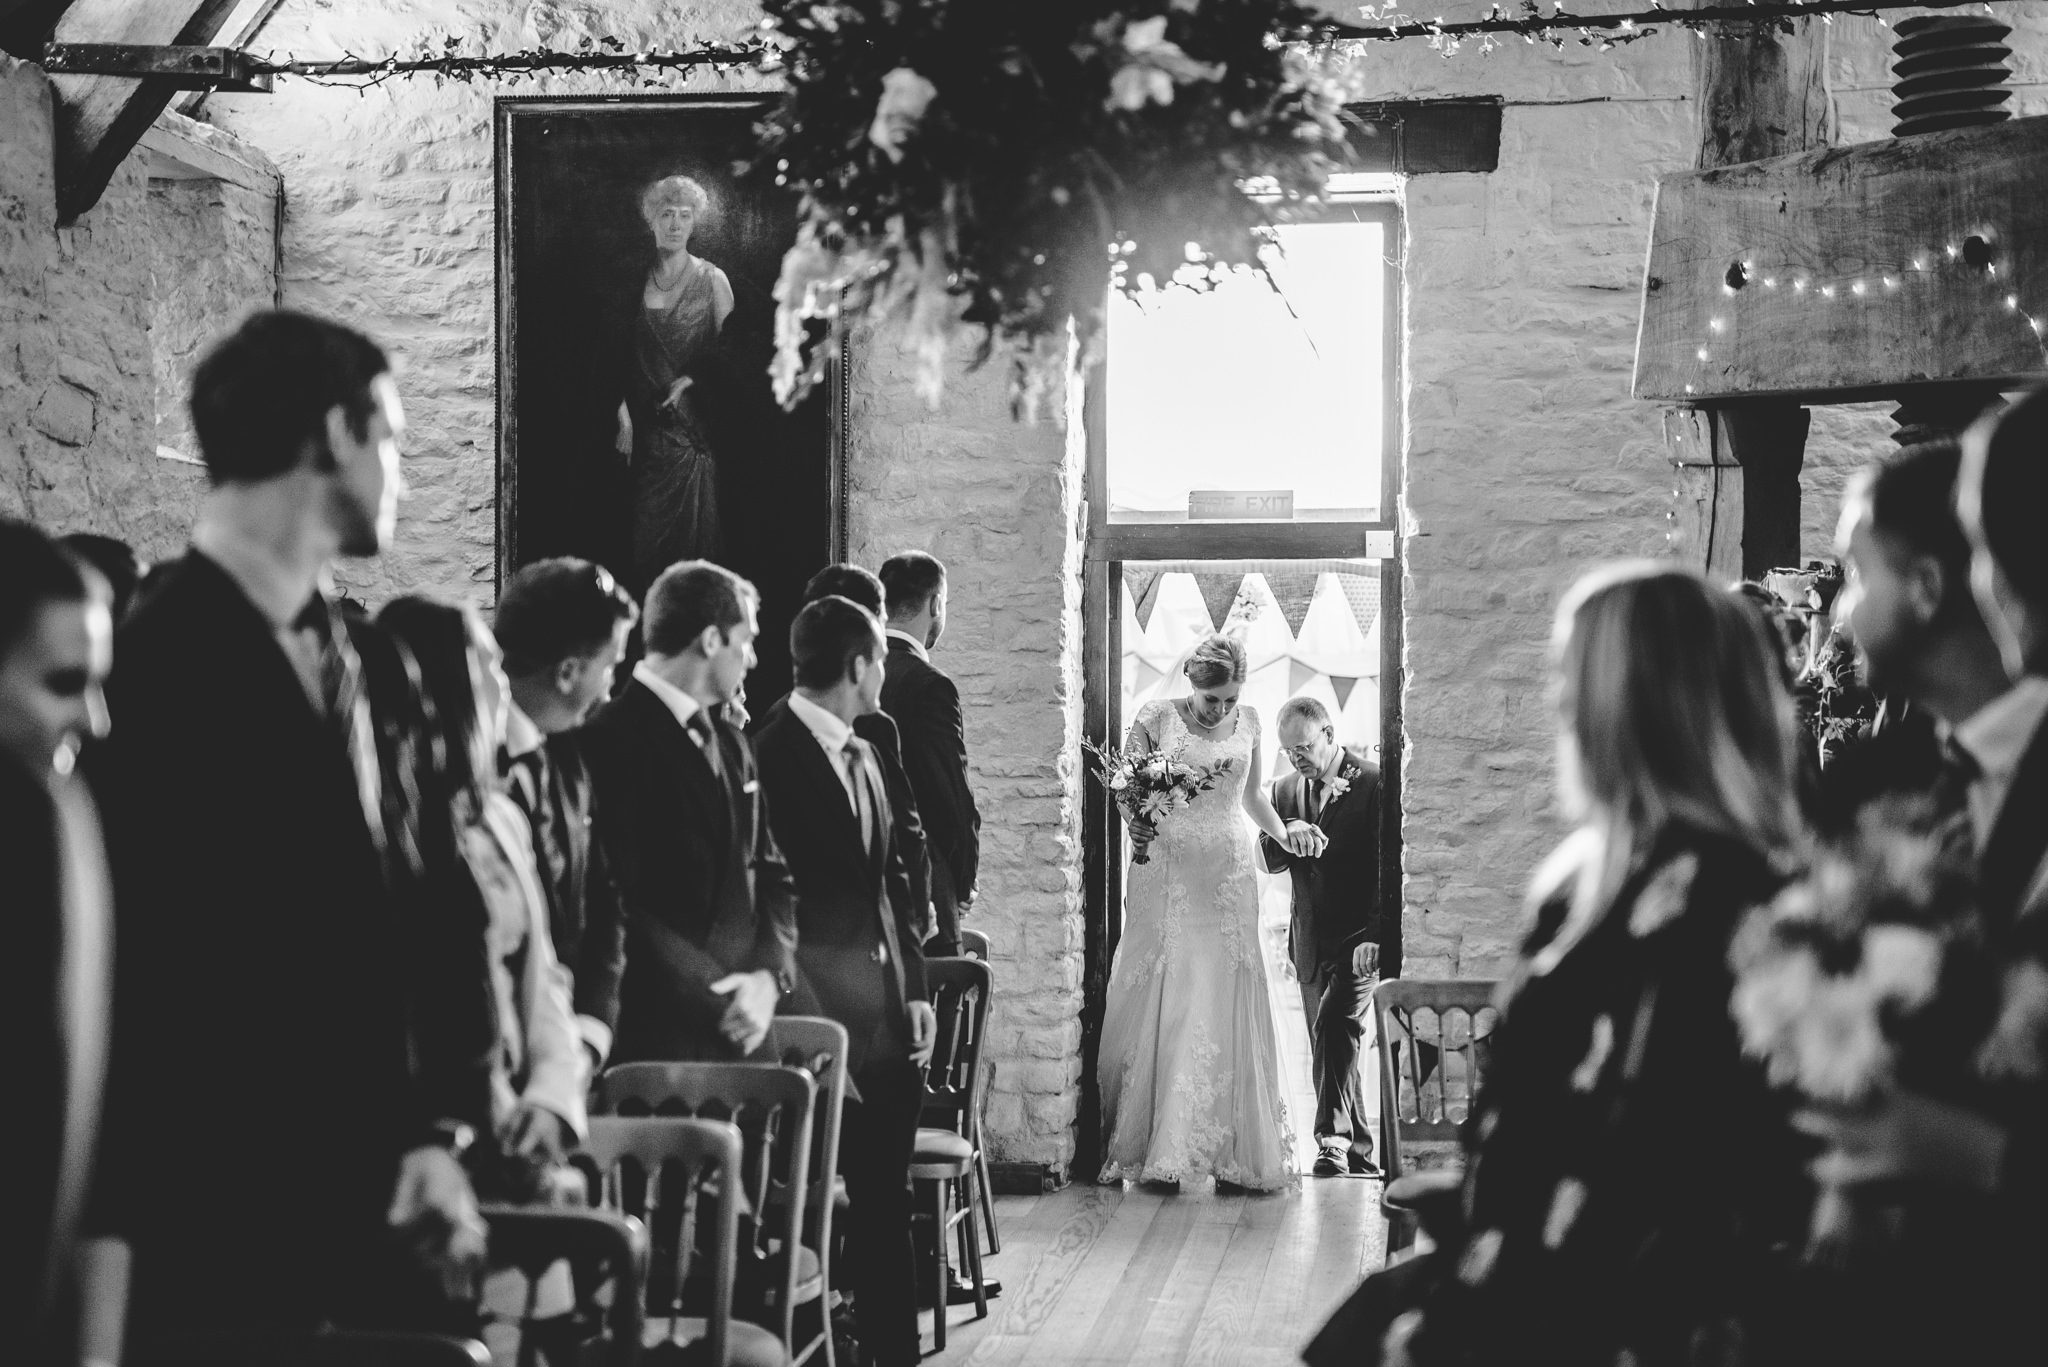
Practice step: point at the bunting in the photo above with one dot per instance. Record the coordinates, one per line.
(1299, 676)
(1294, 591)
(1219, 592)
(1362, 592)
(1343, 685)
(1147, 675)
(1142, 583)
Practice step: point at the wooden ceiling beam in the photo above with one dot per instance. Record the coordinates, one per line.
(100, 118)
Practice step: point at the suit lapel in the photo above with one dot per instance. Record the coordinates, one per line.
(831, 788)
(2019, 838)
(697, 782)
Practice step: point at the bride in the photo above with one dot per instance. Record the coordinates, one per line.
(1189, 1068)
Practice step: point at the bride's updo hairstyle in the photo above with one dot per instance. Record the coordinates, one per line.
(1217, 660)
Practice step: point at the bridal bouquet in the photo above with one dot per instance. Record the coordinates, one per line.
(1873, 970)
(1150, 784)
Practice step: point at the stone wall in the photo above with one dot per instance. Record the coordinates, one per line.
(99, 323)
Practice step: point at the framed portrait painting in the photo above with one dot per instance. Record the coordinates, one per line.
(636, 424)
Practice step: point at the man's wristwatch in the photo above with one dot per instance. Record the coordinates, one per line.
(452, 1135)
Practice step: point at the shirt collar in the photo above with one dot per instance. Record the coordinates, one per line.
(1336, 766)
(680, 703)
(916, 646)
(277, 590)
(522, 737)
(1998, 733)
(832, 733)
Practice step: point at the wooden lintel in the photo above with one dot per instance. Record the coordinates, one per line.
(100, 118)
(1879, 266)
(185, 149)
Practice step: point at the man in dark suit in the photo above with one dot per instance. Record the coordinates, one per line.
(856, 943)
(289, 1022)
(562, 625)
(56, 640)
(925, 705)
(878, 729)
(1921, 641)
(1331, 804)
(710, 913)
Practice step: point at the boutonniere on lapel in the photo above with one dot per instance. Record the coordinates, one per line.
(1336, 787)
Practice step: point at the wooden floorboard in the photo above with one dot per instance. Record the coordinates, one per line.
(1105, 1277)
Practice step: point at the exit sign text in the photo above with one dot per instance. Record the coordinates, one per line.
(1241, 504)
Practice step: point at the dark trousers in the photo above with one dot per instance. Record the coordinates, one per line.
(1337, 1002)
(875, 1144)
(945, 938)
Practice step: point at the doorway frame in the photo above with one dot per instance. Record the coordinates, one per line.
(1109, 545)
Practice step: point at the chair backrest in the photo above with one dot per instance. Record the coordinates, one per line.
(974, 945)
(607, 1253)
(680, 1174)
(1432, 1048)
(819, 1046)
(327, 1348)
(960, 991)
(773, 1107)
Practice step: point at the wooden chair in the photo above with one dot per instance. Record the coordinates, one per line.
(1428, 1087)
(329, 1348)
(684, 1175)
(944, 1159)
(974, 944)
(774, 1108)
(606, 1256)
(819, 1046)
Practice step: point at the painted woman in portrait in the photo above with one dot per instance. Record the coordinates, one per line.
(673, 358)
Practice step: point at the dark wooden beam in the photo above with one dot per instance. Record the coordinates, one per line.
(1920, 260)
(100, 118)
(1761, 91)
(25, 25)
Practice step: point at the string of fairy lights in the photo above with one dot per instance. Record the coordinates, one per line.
(1532, 21)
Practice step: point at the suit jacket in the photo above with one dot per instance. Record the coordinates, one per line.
(583, 900)
(280, 996)
(703, 888)
(879, 730)
(925, 705)
(856, 934)
(1336, 896)
(2010, 866)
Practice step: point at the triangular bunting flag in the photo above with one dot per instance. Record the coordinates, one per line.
(1142, 584)
(1298, 675)
(1362, 592)
(1148, 674)
(1294, 591)
(1343, 687)
(1219, 591)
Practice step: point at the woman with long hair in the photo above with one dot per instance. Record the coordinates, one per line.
(1632, 1188)
(475, 846)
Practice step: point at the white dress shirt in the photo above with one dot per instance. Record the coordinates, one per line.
(832, 736)
(916, 646)
(680, 703)
(522, 737)
(279, 591)
(1997, 736)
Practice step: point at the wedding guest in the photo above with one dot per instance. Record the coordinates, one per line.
(476, 840)
(925, 705)
(56, 640)
(283, 1131)
(856, 945)
(1920, 639)
(116, 562)
(1630, 1176)
(1331, 803)
(563, 626)
(709, 909)
(878, 729)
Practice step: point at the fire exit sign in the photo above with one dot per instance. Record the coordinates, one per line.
(1241, 505)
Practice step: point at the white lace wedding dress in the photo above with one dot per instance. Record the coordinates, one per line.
(1190, 1063)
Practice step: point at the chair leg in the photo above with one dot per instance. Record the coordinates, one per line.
(987, 1189)
(942, 1193)
(974, 1252)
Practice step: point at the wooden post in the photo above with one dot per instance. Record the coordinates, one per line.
(1761, 92)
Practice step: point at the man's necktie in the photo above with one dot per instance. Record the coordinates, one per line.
(706, 736)
(342, 706)
(522, 775)
(1950, 797)
(863, 802)
(1315, 800)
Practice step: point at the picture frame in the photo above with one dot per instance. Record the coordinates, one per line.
(636, 424)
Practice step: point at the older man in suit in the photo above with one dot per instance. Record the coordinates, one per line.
(925, 704)
(1331, 804)
(856, 944)
(709, 909)
(277, 981)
